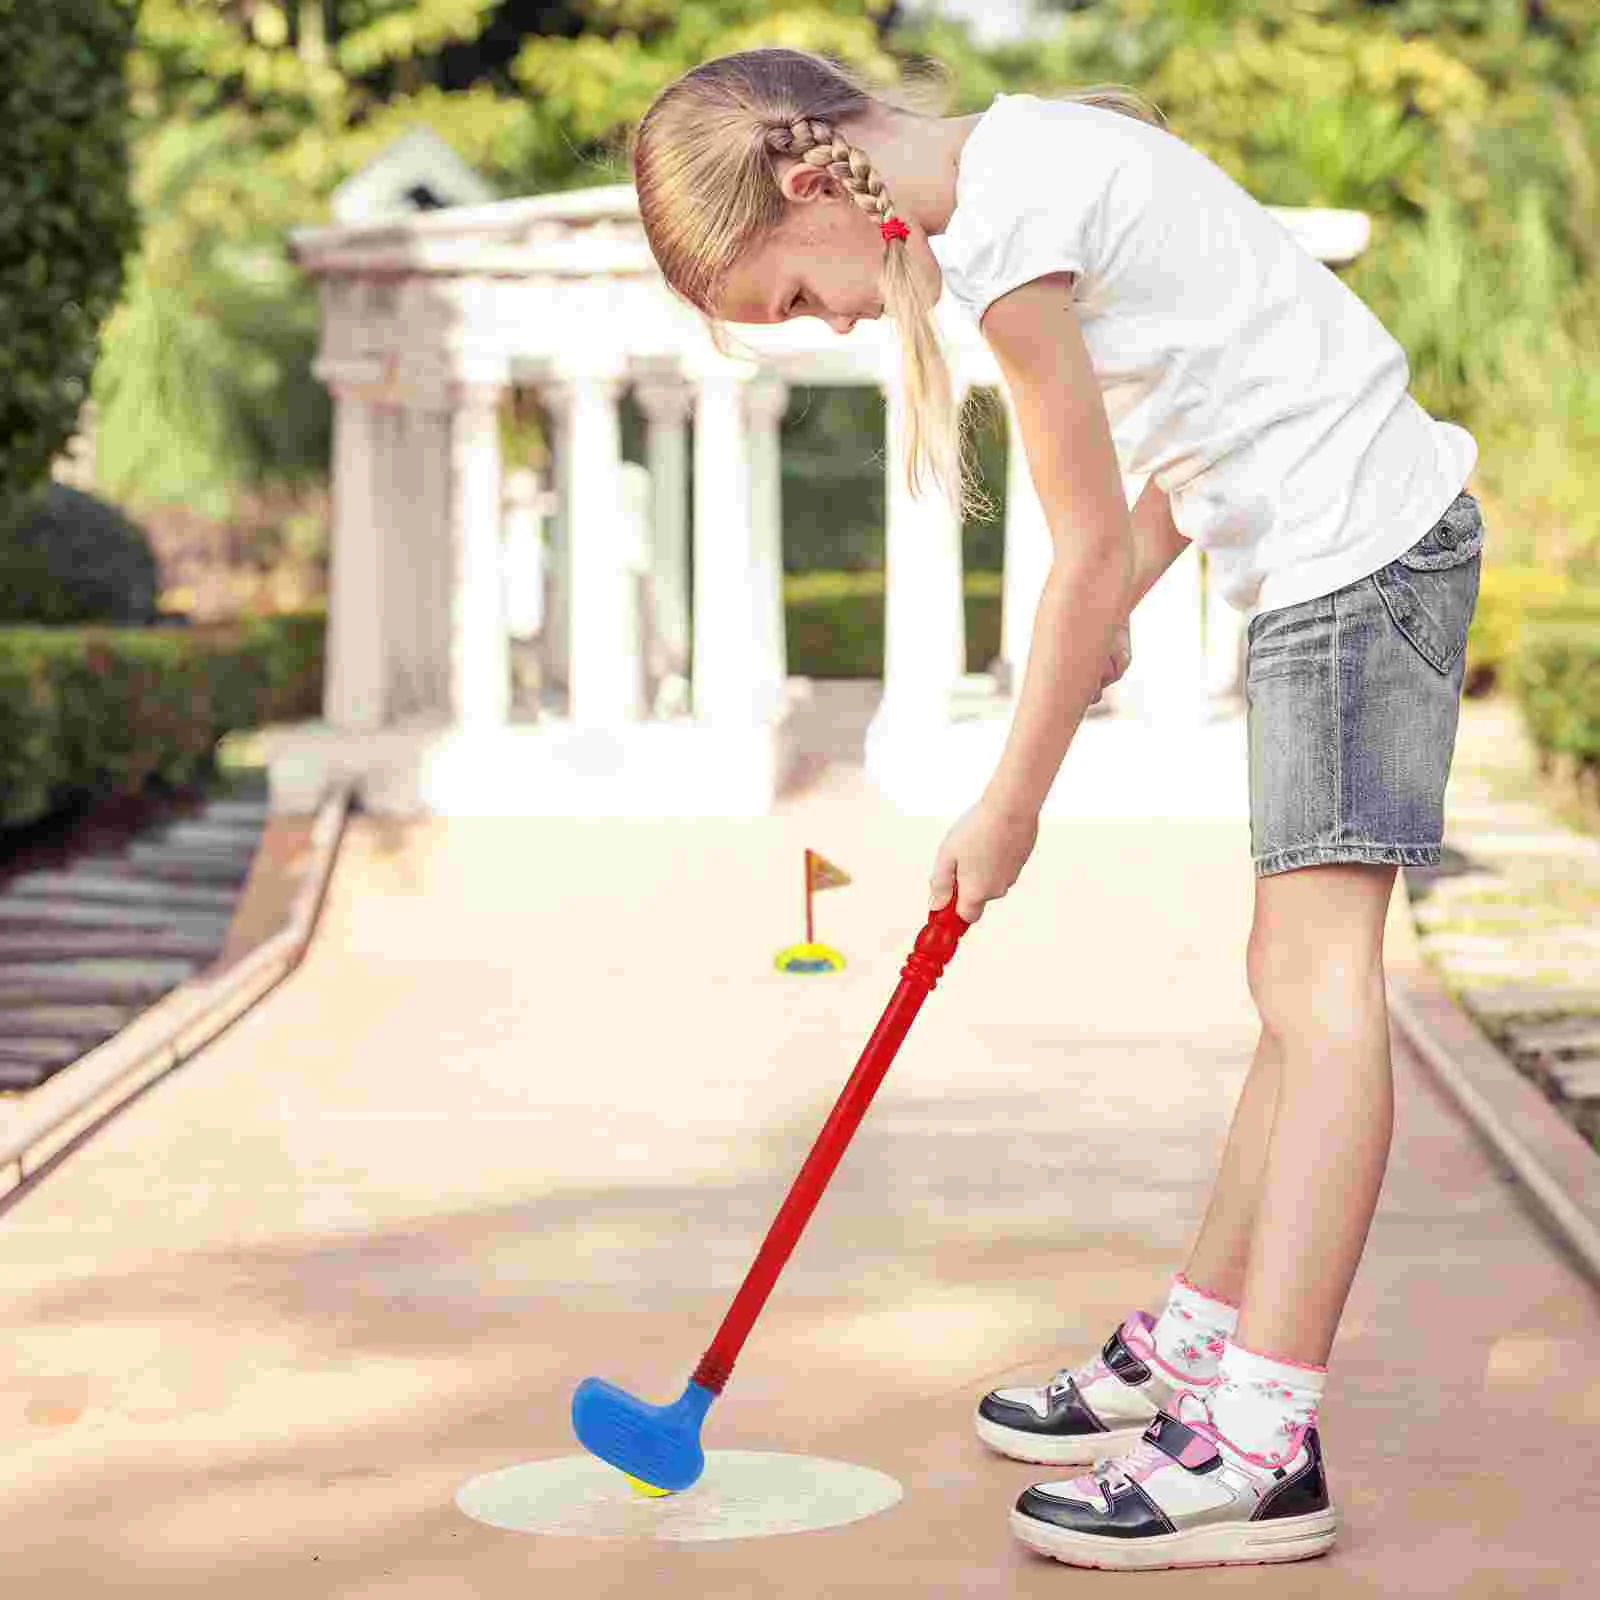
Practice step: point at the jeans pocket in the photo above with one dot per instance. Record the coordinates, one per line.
(1431, 591)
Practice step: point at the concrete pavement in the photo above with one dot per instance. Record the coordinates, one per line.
(526, 1110)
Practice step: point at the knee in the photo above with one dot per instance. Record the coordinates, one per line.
(1332, 986)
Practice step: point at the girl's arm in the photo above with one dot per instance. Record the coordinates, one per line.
(1097, 567)
(1156, 540)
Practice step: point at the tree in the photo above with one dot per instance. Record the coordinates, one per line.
(1469, 130)
(249, 115)
(67, 220)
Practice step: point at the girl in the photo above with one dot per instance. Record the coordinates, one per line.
(1150, 318)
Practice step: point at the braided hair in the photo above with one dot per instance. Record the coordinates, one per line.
(706, 161)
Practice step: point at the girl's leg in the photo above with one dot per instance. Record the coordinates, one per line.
(1316, 972)
(1221, 1252)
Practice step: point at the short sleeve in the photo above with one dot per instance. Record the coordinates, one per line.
(1030, 196)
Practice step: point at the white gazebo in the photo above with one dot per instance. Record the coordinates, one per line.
(430, 321)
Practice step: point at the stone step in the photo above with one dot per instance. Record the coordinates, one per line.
(1523, 1000)
(1507, 843)
(94, 1022)
(1501, 815)
(149, 861)
(75, 884)
(247, 811)
(21, 1075)
(1489, 919)
(31, 945)
(31, 1050)
(165, 848)
(1574, 1080)
(1519, 968)
(26, 913)
(1465, 885)
(225, 837)
(1567, 1035)
(133, 983)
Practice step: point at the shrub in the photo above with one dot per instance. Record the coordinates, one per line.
(1507, 595)
(74, 559)
(1557, 681)
(295, 643)
(69, 220)
(109, 711)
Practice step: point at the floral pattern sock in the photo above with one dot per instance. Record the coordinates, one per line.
(1261, 1404)
(1190, 1333)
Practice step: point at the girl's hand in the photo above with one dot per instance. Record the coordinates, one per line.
(981, 857)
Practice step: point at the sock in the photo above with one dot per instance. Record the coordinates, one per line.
(1260, 1403)
(1190, 1333)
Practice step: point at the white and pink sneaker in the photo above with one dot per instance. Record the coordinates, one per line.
(1088, 1412)
(1185, 1496)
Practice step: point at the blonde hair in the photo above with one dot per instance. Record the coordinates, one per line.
(705, 163)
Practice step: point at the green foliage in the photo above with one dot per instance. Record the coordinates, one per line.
(834, 622)
(249, 118)
(1470, 131)
(1557, 682)
(66, 220)
(99, 712)
(74, 558)
(1507, 597)
(834, 481)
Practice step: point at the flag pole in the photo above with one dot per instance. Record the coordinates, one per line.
(809, 939)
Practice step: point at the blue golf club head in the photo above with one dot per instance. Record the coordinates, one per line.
(658, 1446)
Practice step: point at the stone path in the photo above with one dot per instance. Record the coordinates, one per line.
(1511, 920)
(523, 1114)
(98, 923)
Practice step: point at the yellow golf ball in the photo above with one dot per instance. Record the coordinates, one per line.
(639, 1486)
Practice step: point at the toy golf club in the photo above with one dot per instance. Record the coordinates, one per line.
(658, 1447)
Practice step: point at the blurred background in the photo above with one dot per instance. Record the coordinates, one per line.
(165, 459)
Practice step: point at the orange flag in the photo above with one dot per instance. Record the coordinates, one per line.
(824, 875)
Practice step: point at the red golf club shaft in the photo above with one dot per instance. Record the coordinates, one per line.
(923, 969)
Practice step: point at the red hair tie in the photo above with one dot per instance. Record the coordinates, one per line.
(894, 228)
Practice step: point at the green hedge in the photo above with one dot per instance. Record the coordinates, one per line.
(835, 623)
(67, 220)
(107, 711)
(1556, 677)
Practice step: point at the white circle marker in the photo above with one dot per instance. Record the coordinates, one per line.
(743, 1494)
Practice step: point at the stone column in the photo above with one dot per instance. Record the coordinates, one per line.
(724, 541)
(1028, 554)
(558, 618)
(766, 402)
(603, 659)
(924, 629)
(417, 576)
(354, 695)
(479, 653)
(666, 407)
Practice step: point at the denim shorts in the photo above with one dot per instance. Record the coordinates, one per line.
(1353, 702)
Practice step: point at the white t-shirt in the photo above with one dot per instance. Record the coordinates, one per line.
(1262, 395)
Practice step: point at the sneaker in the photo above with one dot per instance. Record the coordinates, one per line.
(1184, 1497)
(1094, 1411)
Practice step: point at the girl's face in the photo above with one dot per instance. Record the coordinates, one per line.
(825, 259)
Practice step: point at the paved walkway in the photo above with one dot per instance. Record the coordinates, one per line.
(523, 1115)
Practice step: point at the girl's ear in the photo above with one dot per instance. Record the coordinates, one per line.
(801, 181)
